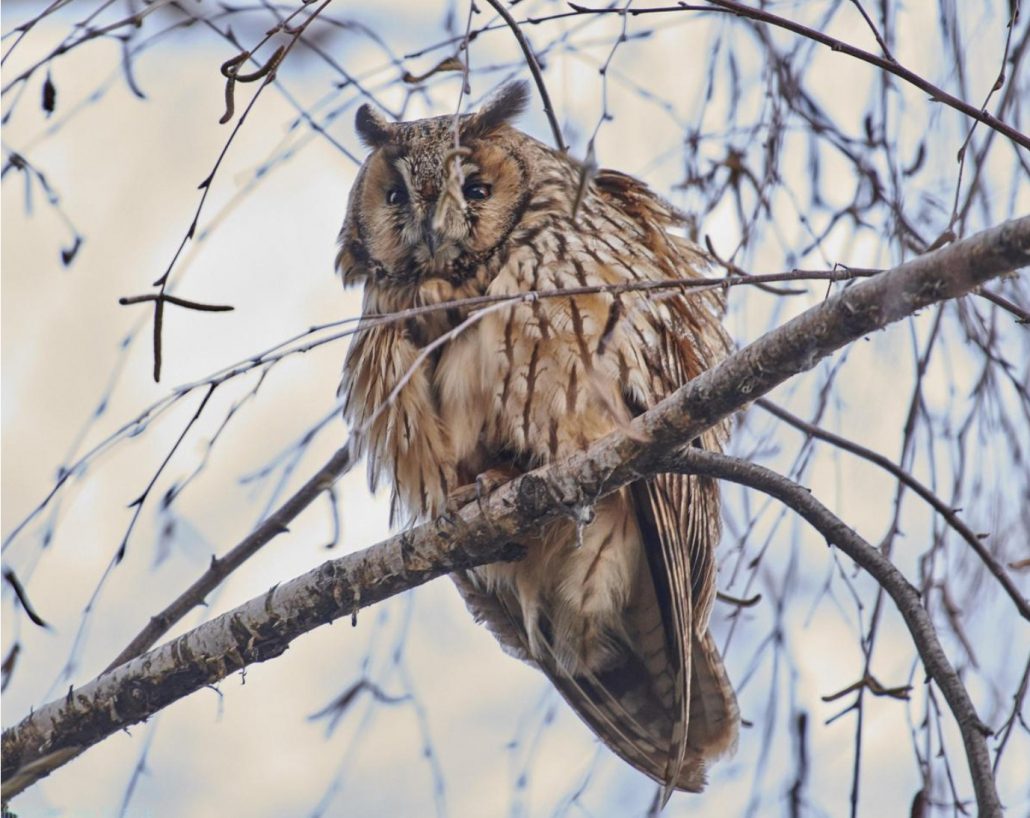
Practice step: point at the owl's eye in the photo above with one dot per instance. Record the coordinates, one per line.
(396, 196)
(476, 191)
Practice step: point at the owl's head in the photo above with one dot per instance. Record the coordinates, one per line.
(435, 197)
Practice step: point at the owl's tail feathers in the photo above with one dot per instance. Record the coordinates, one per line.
(634, 719)
(629, 709)
(632, 705)
(714, 715)
(621, 707)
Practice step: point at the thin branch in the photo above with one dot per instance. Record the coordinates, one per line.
(1005, 731)
(267, 74)
(905, 596)
(274, 525)
(125, 300)
(534, 68)
(1022, 316)
(22, 596)
(876, 32)
(975, 542)
(898, 70)
(88, 33)
(886, 64)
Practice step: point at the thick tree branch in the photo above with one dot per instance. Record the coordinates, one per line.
(904, 594)
(482, 533)
(272, 526)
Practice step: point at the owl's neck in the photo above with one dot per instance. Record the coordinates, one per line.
(428, 303)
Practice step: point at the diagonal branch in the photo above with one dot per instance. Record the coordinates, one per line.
(484, 532)
(905, 596)
(534, 69)
(885, 463)
(886, 63)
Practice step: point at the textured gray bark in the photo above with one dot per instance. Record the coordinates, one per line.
(263, 627)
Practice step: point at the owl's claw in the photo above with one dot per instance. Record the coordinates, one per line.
(447, 517)
(485, 484)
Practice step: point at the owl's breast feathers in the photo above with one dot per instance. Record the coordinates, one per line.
(616, 613)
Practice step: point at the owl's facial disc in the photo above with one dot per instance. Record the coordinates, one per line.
(433, 202)
(440, 206)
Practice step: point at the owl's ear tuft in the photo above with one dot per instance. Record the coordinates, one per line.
(504, 106)
(373, 129)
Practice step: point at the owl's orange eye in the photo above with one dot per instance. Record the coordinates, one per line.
(476, 191)
(396, 196)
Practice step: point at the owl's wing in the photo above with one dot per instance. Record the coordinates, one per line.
(678, 517)
(659, 507)
(497, 613)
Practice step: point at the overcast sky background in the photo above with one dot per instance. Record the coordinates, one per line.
(500, 741)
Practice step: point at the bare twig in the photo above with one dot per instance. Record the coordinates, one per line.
(22, 596)
(1022, 316)
(872, 27)
(267, 75)
(967, 534)
(274, 525)
(906, 598)
(534, 68)
(171, 299)
(892, 67)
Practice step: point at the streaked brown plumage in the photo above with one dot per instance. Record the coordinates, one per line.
(616, 613)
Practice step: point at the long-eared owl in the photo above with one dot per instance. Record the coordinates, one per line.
(614, 612)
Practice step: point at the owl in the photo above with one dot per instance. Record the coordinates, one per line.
(612, 607)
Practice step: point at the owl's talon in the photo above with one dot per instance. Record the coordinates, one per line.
(486, 483)
(459, 498)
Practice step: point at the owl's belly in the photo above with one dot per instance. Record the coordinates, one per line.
(574, 586)
(460, 382)
(546, 400)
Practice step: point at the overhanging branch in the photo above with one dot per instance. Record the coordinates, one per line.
(263, 628)
(905, 596)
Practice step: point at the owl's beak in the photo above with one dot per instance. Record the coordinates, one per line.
(429, 234)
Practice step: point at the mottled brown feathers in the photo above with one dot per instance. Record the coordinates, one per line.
(615, 613)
